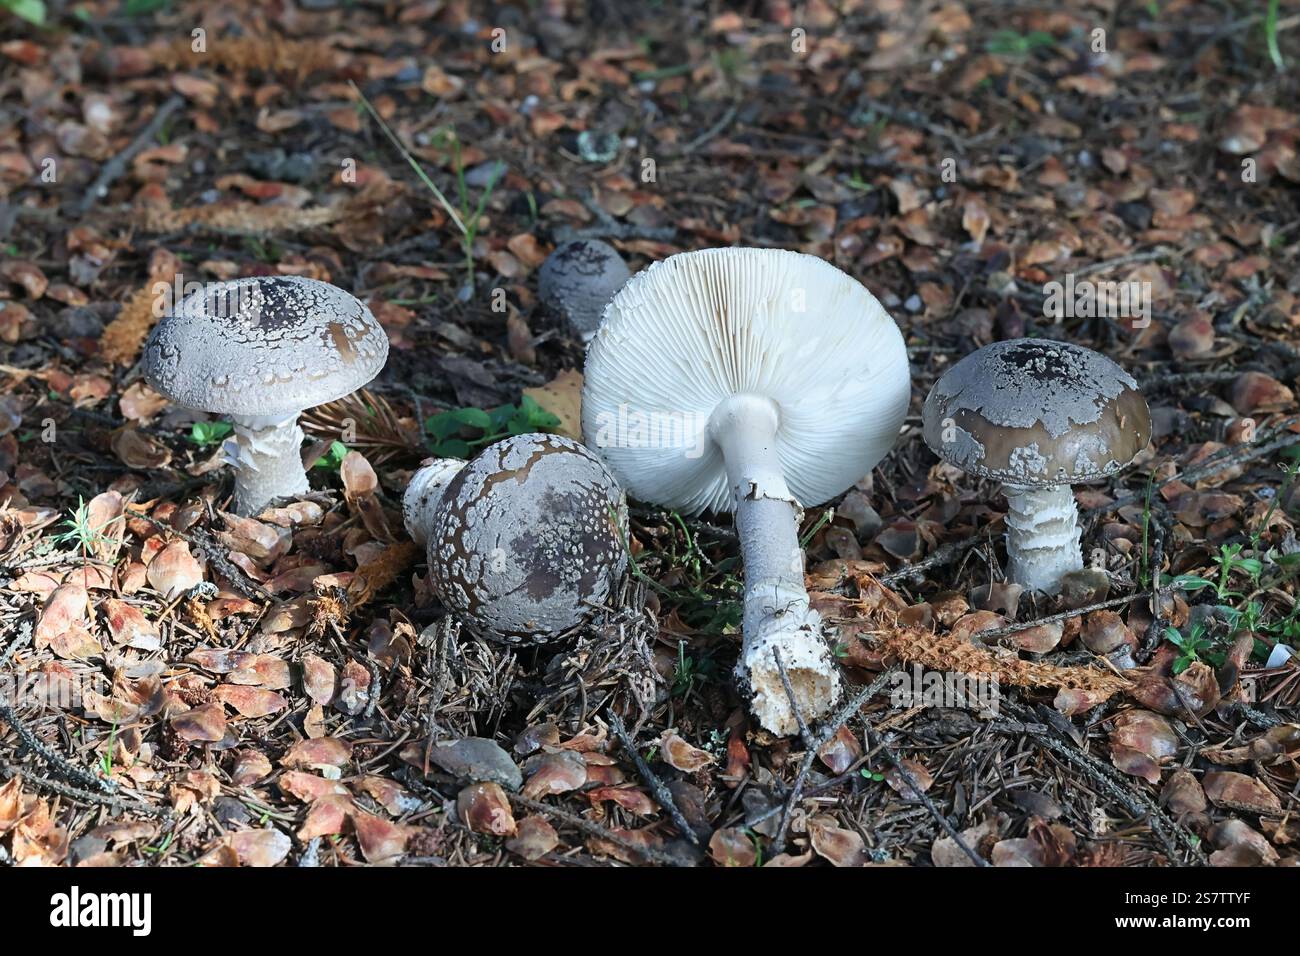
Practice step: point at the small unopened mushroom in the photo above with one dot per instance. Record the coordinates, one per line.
(527, 539)
(261, 350)
(424, 492)
(1038, 416)
(755, 381)
(578, 279)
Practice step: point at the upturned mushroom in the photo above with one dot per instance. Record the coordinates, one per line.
(1037, 416)
(756, 381)
(527, 540)
(261, 350)
(576, 281)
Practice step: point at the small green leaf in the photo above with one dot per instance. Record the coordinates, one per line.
(473, 418)
(33, 11)
(442, 425)
(204, 434)
(452, 448)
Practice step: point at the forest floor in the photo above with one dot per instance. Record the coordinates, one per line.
(184, 686)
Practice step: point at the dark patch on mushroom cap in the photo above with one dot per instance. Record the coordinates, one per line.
(264, 346)
(578, 279)
(528, 539)
(1036, 413)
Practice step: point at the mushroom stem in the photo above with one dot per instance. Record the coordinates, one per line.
(777, 615)
(266, 454)
(1042, 536)
(423, 494)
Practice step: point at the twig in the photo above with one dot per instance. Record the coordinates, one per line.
(661, 793)
(921, 795)
(804, 733)
(65, 767)
(76, 793)
(595, 830)
(30, 741)
(1151, 639)
(712, 131)
(117, 165)
(1135, 803)
(826, 733)
(993, 633)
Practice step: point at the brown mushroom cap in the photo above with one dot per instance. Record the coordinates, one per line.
(1036, 413)
(528, 538)
(265, 346)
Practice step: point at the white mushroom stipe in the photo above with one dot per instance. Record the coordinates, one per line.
(754, 381)
(267, 459)
(1042, 536)
(776, 611)
(423, 494)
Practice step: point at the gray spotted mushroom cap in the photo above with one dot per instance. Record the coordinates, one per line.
(578, 279)
(528, 538)
(268, 346)
(1036, 413)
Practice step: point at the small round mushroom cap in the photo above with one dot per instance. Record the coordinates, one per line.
(264, 347)
(1036, 413)
(578, 279)
(697, 328)
(528, 538)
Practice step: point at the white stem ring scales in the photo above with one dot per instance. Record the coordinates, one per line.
(266, 456)
(1042, 536)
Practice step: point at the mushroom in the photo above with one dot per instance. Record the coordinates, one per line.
(261, 350)
(576, 281)
(424, 492)
(756, 381)
(528, 538)
(1037, 416)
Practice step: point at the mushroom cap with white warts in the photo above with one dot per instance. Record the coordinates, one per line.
(264, 347)
(1036, 413)
(528, 538)
(698, 328)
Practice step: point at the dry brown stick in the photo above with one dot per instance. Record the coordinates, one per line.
(996, 632)
(1135, 803)
(76, 793)
(594, 829)
(117, 165)
(827, 732)
(30, 741)
(929, 805)
(661, 793)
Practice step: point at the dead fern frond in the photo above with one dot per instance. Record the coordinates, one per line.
(942, 652)
(264, 52)
(237, 218)
(372, 426)
(122, 338)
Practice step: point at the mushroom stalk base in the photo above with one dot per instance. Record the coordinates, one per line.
(423, 494)
(777, 616)
(1042, 536)
(267, 457)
